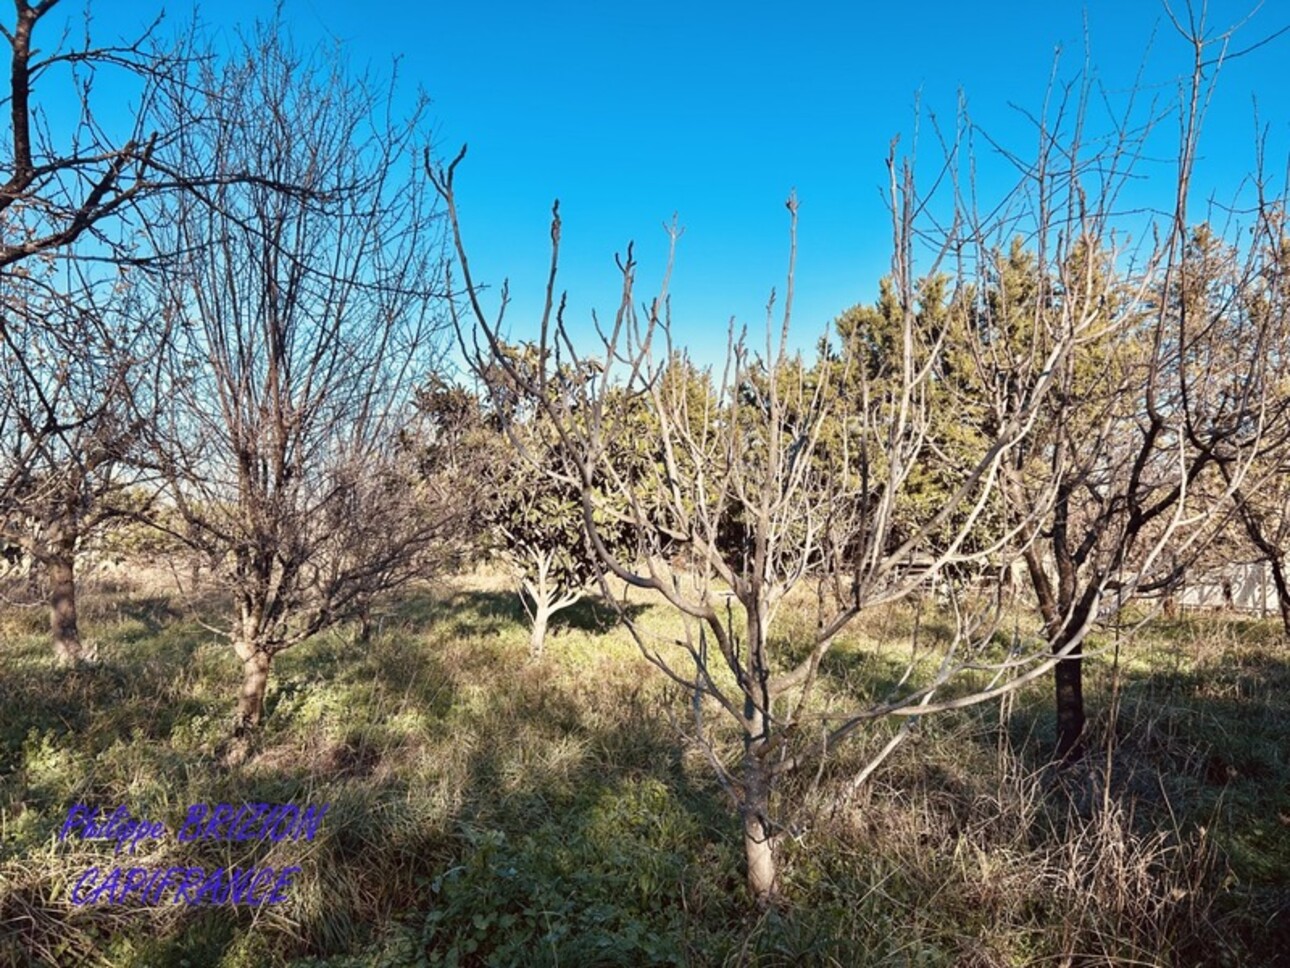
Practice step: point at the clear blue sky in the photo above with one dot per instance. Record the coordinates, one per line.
(628, 112)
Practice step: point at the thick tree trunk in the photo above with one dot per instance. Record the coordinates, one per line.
(759, 839)
(1055, 604)
(1069, 676)
(60, 569)
(255, 680)
(759, 843)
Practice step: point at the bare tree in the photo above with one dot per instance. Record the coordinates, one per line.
(73, 401)
(792, 472)
(70, 357)
(1138, 423)
(77, 387)
(783, 473)
(307, 316)
(56, 192)
(1137, 436)
(1262, 502)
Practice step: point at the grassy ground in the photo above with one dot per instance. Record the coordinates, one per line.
(486, 809)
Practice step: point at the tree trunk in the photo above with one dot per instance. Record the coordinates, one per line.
(541, 618)
(1283, 595)
(255, 680)
(34, 591)
(1069, 676)
(759, 844)
(62, 607)
(545, 594)
(365, 622)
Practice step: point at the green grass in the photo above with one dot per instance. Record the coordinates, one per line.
(488, 809)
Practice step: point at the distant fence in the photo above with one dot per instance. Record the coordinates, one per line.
(1241, 586)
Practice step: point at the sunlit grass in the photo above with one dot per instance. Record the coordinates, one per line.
(498, 810)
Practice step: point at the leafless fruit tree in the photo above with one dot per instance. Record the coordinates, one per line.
(70, 354)
(1262, 502)
(74, 397)
(783, 472)
(772, 478)
(305, 314)
(1148, 432)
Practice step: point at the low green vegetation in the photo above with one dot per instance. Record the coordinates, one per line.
(488, 809)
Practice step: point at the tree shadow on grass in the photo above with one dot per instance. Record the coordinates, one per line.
(594, 615)
(1187, 752)
(153, 612)
(576, 838)
(465, 613)
(869, 677)
(570, 821)
(480, 805)
(490, 808)
(85, 709)
(489, 613)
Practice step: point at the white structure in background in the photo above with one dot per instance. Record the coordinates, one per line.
(1244, 586)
